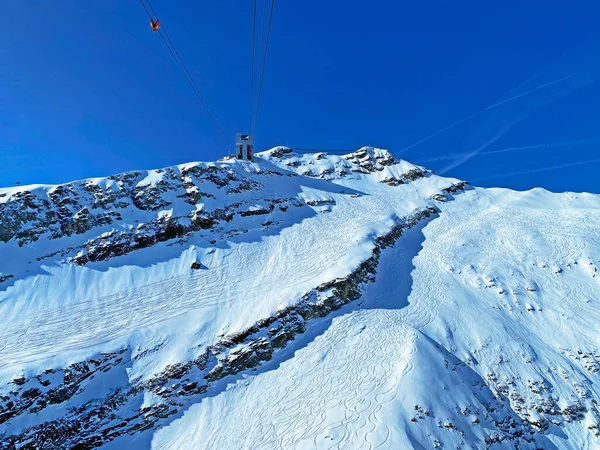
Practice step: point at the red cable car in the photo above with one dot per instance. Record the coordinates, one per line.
(155, 24)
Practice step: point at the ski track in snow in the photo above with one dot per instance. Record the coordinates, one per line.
(343, 390)
(121, 313)
(505, 280)
(334, 402)
(270, 274)
(337, 391)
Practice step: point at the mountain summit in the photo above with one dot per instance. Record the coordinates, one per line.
(298, 301)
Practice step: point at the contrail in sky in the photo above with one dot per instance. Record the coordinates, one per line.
(495, 105)
(471, 154)
(515, 120)
(541, 169)
(454, 156)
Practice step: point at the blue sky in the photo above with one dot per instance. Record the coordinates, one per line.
(86, 89)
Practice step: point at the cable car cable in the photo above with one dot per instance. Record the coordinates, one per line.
(252, 68)
(179, 61)
(262, 76)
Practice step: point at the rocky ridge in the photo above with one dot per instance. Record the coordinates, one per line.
(169, 205)
(101, 420)
(100, 219)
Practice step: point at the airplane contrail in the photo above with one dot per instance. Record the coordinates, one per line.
(505, 129)
(475, 114)
(473, 153)
(454, 156)
(528, 80)
(541, 169)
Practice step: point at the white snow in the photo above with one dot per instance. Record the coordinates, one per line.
(356, 382)
(494, 302)
(150, 298)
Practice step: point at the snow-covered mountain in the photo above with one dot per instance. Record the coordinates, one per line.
(298, 301)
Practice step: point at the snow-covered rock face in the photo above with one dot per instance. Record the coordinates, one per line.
(298, 301)
(137, 209)
(367, 160)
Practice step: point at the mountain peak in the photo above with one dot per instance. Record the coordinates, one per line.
(353, 165)
(166, 304)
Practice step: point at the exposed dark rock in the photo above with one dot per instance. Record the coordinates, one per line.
(440, 198)
(20, 381)
(413, 174)
(255, 212)
(88, 426)
(322, 202)
(78, 207)
(244, 185)
(280, 151)
(456, 188)
(392, 181)
(37, 398)
(30, 393)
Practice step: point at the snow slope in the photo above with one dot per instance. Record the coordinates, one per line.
(497, 346)
(97, 277)
(298, 301)
(249, 277)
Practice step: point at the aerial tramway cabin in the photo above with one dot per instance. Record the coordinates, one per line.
(244, 146)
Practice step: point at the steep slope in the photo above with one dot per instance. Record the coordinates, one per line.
(298, 301)
(495, 344)
(126, 299)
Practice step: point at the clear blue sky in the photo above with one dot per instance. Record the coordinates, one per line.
(86, 89)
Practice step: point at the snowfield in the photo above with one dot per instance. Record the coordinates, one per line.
(249, 278)
(331, 309)
(503, 311)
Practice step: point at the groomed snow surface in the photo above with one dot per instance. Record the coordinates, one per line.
(480, 314)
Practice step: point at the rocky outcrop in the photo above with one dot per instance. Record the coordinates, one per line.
(278, 152)
(456, 187)
(123, 213)
(165, 228)
(34, 394)
(78, 207)
(441, 198)
(447, 193)
(99, 421)
(367, 160)
(406, 177)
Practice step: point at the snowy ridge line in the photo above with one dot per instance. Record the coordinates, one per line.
(28, 213)
(100, 218)
(143, 176)
(97, 422)
(365, 161)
